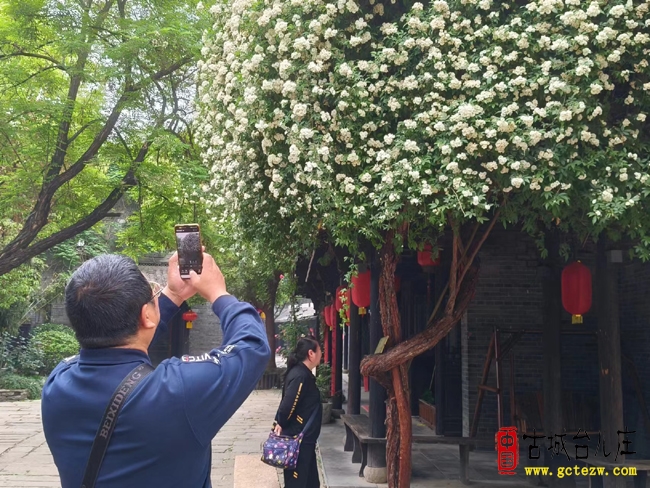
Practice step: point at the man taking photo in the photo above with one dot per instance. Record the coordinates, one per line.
(164, 419)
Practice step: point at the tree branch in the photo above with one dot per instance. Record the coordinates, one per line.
(55, 63)
(33, 75)
(16, 258)
(83, 128)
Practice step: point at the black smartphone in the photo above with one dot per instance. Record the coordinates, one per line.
(190, 252)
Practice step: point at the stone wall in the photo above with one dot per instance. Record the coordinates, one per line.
(13, 395)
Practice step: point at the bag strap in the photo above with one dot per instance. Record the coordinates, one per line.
(107, 425)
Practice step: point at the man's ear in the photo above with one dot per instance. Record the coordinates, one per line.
(147, 318)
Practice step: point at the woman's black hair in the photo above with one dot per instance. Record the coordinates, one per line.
(301, 352)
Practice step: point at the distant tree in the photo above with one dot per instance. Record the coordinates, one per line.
(96, 102)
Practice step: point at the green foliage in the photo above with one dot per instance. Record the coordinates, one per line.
(290, 333)
(56, 345)
(428, 397)
(324, 381)
(21, 285)
(65, 329)
(95, 102)
(73, 252)
(33, 384)
(20, 355)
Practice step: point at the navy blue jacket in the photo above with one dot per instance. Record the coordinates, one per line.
(163, 433)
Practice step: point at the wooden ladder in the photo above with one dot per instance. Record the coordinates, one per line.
(498, 353)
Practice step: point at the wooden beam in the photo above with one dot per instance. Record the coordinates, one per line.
(609, 356)
(354, 364)
(377, 401)
(551, 341)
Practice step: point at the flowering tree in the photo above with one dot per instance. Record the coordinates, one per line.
(384, 122)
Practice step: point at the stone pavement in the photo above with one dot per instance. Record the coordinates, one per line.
(25, 460)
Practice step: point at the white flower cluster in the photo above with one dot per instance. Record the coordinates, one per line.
(343, 117)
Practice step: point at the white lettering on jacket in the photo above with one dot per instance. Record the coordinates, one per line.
(202, 358)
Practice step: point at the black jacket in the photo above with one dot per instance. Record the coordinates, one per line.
(300, 397)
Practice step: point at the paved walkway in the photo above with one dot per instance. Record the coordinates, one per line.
(25, 460)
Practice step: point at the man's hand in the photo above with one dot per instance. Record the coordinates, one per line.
(177, 290)
(210, 284)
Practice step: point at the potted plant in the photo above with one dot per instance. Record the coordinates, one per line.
(428, 409)
(323, 381)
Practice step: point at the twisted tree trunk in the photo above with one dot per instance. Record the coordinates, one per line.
(398, 433)
(391, 367)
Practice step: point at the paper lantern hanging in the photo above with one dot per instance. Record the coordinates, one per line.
(425, 257)
(361, 291)
(333, 314)
(189, 317)
(576, 290)
(326, 316)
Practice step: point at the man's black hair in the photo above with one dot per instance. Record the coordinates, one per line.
(103, 300)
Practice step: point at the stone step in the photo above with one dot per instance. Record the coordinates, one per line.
(251, 472)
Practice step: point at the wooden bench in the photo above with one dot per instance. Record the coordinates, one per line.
(357, 428)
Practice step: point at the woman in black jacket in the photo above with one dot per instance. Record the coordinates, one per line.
(300, 400)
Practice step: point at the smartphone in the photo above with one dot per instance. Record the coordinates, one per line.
(190, 252)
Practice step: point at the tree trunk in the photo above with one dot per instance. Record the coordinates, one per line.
(269, 311)
(463, 276)
(399, 447)
(270, 334)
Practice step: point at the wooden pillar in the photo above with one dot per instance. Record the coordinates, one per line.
(346, 346)
(375, 472)
(337, 370)
(609, 358)
(328, 333)
(439, 387)
(551, 343)
(354, 365)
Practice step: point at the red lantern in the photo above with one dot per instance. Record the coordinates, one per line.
(398, 284)
(424, 257)
(576, 290)
(189, 317)
(333, 314)
(361, 291)
(326, 315)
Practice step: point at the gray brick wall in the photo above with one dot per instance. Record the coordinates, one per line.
(206, 331)
(509, 297)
